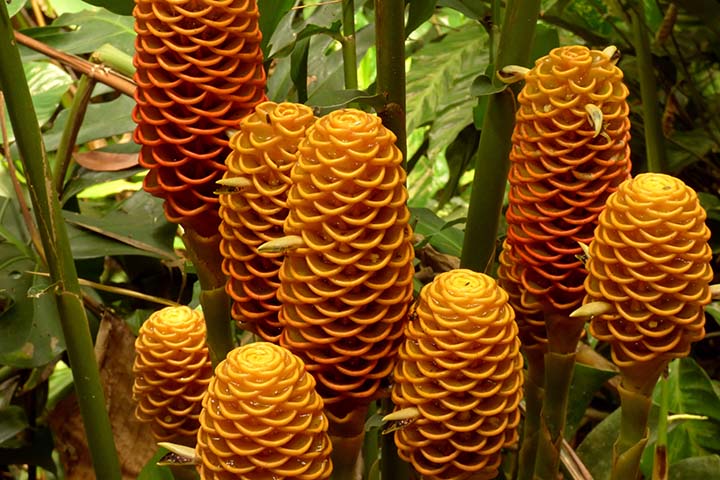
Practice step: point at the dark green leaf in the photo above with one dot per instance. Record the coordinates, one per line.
(469, 8)
(325, 19)
(691, 390)
(374, 421)
(88, 31)
(153, 472)
(328, 101)
(686, 147)
(585, 383)
(299, 68)
(546, 38)
(102, 120)
(83, 178)
(706, 467)
(418, 13)
(596, 449)
(272, 12)
(12, 421)
(483, 85)
(459, 155)
(136, 227)
(121, 7)
(714, 310)
(445, 238)
(39, 452)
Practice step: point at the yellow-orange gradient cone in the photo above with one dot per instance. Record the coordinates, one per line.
(263, 153)
(345, 294)
(172, 370)
(461, 367)
(198, 73)
(263, 419)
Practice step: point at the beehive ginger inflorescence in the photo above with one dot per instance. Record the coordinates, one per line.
(198, 72)
(460, 366)
(263, 419)
(172, 370)
(264, 151)
(650, 261)
(569, 152)
(346, 292)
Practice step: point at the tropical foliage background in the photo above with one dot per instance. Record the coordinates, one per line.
(122, 243)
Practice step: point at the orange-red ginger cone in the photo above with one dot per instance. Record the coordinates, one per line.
(263, 419)
(198, 73)
(172, 371)
(345, 293)
(650, 261)
(263, 153)
(565, 161)
(461, 367)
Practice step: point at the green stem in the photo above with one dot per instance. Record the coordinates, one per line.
(6, 372)
(348, 45)
(70, 133)
(59, 257)
(534, 394)
(558, 376)
(204, 252)
(652, 121)
(391, 465)
(627, 451)
(390, 44)
(660, 463)
(115, 59)
(492, 158)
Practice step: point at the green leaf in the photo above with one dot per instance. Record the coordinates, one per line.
(714, 310)
(586, 382)
(47, 83)
(596, 449)
(546, 38)
(436, 68)
(469, 8)
(83, 178)
(12, 421)
(299, 68)
(272, 13)
(102, 120)
(691, 390)
(70, 6)
(153, 472)
(15, 6)
(325, 19)
(121, 7)
(686, 147)
(39, 452)
(418, 13)
(483, 85)
(705, 467)
(459, 155)
(88, 30)
(136, 227)
(443, 236)
(327, 101)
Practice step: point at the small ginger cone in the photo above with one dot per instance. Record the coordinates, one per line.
(460, 366)
(263, 153)
(172, 371)
(650, 266)
(569, 151)
(263, 419)
(198, 72)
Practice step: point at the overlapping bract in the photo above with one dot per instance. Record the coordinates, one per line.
(461, 366)
(198, 73)
(345, 294)
(172, 370)
(263, 152)
(263, 419)
(651, 261)
(561, 174)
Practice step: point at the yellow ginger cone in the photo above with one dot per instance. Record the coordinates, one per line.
(461, 367)
(263, 153)
(565, 161)
(650, 261)
(263, 419)
(346, 292)
(172, 370)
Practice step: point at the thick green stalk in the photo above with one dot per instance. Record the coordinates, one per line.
(391, 465)
(55, 242)
(204, 252)
(534, 394)
(77, 111)
(627, 451)
(652, 121)
(349, 50)
(660, 462)
(390, 44)
(558, 376)
(492, 159)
